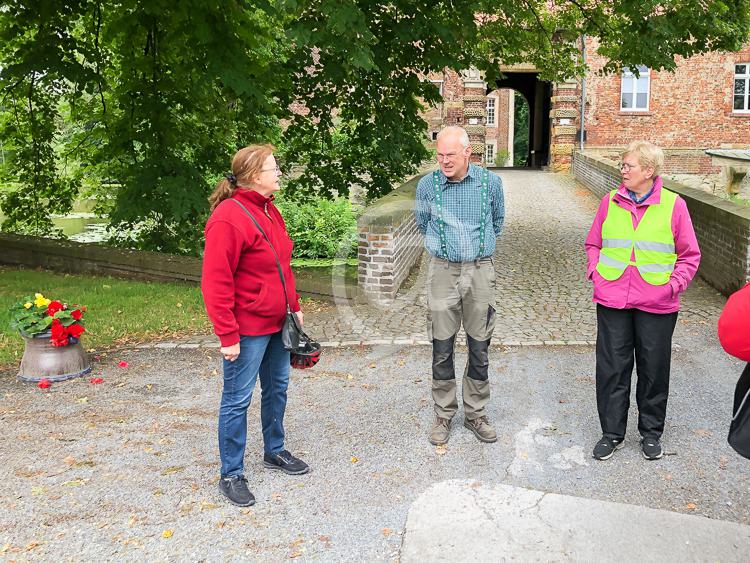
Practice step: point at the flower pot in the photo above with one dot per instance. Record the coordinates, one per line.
(42, 360)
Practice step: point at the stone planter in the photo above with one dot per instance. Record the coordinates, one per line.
(42, 360)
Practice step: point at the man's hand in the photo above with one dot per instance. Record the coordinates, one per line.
(230, 353)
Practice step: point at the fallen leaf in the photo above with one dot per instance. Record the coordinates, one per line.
(173, 470)
(702, 432)
(324, 538)
(386, 532)
(149, 386)
(441, 450)
(373, 365)
(723, 461)
(167, 534)
(297, 542)
(296, 554)
(44, 384)
(691, 506)
(354, 459)
(82, 400)
(5, 548)
(123, 364)
(208, 505)
(70, 460)
(75, 482)
(36, 491)
(33, 545)
(350, 377)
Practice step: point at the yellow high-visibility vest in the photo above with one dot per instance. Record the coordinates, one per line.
(652, 241)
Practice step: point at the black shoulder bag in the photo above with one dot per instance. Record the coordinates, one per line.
(292, 335)
(739, 430)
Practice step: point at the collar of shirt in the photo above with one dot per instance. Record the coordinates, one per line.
(473, 172)
(637, 199)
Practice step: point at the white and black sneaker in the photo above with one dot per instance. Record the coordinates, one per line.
(606, 447)
(235, 489)
(651, 448)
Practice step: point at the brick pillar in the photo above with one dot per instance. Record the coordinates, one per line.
(565, 114)
(475, 104)
(375, 257)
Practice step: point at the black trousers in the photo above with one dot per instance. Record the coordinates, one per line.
(625, 337)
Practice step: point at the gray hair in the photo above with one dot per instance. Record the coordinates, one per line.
(463, 136)
(647, 154)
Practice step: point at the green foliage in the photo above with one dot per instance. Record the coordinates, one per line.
(320, 228)
(520, 131)
(30, 315)
(143, 103)
(501, 158)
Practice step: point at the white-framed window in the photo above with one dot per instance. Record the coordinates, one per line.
(439, 84)
(741, 98)
(489, 153)
(491, 101)
(634, 92)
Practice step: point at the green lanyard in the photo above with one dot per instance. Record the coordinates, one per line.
(441, 223)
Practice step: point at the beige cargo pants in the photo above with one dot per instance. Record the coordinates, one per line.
(456, 293)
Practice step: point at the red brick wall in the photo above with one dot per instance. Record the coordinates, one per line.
(690, 108)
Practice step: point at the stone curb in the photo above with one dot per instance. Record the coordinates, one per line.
(377, 342)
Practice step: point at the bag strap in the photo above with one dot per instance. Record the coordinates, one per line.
(278, 262)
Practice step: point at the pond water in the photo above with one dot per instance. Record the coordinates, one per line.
(81, 225)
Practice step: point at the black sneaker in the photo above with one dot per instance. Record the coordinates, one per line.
(235, 489)
(651, 448)
(606, 447)
(286, 462)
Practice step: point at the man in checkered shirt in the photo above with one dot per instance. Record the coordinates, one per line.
(460, 210)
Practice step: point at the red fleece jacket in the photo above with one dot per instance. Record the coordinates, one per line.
(734, 324)
(241, 285)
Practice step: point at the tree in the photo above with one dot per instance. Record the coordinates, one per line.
(156, 96)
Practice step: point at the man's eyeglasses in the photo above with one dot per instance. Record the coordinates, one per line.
(625, 167)
(446, 157)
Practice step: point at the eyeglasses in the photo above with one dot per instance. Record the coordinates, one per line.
(625, 167)
(276, 168)
(446, 157)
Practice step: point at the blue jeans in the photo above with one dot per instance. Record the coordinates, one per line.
(264, 355)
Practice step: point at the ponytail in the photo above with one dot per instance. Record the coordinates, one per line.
(223, 190)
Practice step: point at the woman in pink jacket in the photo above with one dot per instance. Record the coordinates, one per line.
(642, 254)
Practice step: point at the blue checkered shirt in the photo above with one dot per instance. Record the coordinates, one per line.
(461, 214)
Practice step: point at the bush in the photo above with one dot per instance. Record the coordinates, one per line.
(320, 228)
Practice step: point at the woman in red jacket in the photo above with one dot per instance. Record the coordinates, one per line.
(245, 301)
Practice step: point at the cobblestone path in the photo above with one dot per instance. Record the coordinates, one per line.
(542, 294)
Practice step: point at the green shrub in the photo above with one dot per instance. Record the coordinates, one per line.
(320, 228)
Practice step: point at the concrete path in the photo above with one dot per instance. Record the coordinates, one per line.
(470, 521)
(127, 470)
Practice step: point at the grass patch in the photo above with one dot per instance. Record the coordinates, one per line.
(120, 311)
(322, 262)
(737, 199)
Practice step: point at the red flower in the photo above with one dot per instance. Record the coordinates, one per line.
(96, 380)
(53, 308)
(59, 334)
(76, 331)
(44, 384)
(123, 364)
(76, 314)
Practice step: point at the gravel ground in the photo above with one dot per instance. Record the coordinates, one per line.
(127, 469)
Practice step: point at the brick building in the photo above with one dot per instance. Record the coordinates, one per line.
(704, 104)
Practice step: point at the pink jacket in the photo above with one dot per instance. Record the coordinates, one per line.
(630, 291)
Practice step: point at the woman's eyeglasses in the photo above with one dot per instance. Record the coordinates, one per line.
(625, 167)
(276, 168)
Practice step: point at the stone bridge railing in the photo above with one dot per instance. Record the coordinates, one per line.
(722, 227)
